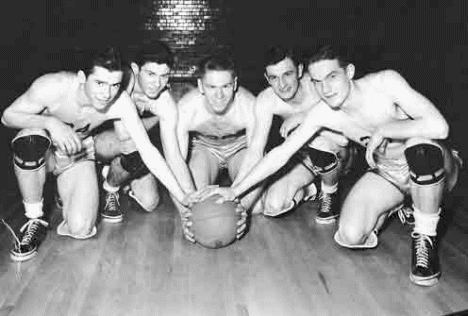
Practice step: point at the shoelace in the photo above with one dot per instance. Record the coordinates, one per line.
(31, 228)
(404, 213)
(422, 251)
(112, 201)
(326, 203)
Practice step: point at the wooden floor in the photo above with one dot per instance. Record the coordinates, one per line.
(283, 266)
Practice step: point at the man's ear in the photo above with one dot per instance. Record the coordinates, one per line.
(350, 70)
(81, 76)
(300, 70)
(235, 84)
(266, 77)
(135, 68)
(200, 86)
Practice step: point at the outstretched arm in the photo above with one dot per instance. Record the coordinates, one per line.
(168, 127)
(150, 155)
(257, 136)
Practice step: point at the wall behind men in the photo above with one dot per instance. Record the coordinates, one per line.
(425, 40)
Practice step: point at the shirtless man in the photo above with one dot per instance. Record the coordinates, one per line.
(403, 134)
(57, 116)
(148, 87)
(290, 95)
(216, 122)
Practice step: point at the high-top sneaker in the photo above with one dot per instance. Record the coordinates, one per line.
(32, 235)
(425, 269)
(329, 208)
(111, 212)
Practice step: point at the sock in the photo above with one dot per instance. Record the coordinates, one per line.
(33, 210)
(425, 223)
(329, 189)
(109, 188)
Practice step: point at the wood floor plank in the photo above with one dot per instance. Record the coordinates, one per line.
(283, 266)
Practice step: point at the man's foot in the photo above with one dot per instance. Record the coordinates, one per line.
(33, 233)
(329, 208)
(111, 212)
(425, 269)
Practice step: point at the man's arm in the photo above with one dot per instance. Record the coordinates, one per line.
(25, 112)
(426, 121)
(168, 129)
(279, 156)
(150, 155)
(257, 136)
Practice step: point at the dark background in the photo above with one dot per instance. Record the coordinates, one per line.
(426, 41)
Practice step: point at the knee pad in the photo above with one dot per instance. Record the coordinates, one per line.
(133, 164)
(324, 161)
(426, 163)
(29, 149)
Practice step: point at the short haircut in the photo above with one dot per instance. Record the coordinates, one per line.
(275, 54)
(220, 60)
(329, 52)
(109, 58)
(154, 52)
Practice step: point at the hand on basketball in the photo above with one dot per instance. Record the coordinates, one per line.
(64, 137)
(200, 195)
(186, 226)
(242, 222)
(376, 142)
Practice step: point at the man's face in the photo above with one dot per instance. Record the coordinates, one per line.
(153, 78)
(102, 86)
(332, 82)
(219, 87)
(284, 77)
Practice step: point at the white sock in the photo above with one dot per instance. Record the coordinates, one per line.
(33, 210)
(425, 223)
(329, 189)
(105, 171)
(109, 188)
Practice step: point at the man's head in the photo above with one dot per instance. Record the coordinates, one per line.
(332, 74)
(152, 66)
(283, 71)
(217, 81)
(102, 78)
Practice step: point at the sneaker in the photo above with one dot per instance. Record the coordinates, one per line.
(310, 192)
(425, 268)
(111, 212)
(33, 233)
(329, 208)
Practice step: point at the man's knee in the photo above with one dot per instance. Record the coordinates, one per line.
(29, 148)
(351, 235)
(322, 160)
(425, 162)
(276, 204)
(80, 227)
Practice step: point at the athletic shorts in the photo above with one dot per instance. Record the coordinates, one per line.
(222, 149)
(64, 162)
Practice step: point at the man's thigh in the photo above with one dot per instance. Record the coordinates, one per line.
(369, 198)
(78, 189)
(204, 167)
(107, 145)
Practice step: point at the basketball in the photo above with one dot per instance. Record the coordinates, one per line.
(213, 224)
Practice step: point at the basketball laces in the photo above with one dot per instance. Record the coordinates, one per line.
(422, 250)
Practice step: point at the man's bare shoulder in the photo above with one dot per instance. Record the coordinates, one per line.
(266, 95)
(381, 78)
(191, 97)
(245, 94)
(53, 85)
